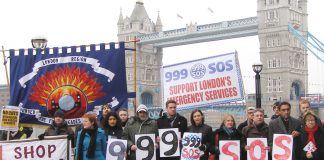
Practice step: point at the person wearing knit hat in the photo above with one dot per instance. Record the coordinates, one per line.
(58, 127)
(59, 113)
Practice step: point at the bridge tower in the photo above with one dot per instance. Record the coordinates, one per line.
(285, 68)
(148, 58)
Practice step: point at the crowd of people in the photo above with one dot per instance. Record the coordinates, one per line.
(90, 138)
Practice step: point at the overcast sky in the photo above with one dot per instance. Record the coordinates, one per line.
(77, 22)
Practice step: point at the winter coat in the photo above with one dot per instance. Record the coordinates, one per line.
(101, 145)
(251, 131)
(319, 142)
(222, 135)
(277, 126)
(179, 122)
(135, 126)
(113, 132)
(206, 132)
(55, 130)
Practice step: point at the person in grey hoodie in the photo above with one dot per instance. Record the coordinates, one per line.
(140, 124)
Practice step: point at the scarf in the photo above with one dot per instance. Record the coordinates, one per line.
(58, 127)
(229, 131)
(311, 132)
(92, 144)
(172, 119)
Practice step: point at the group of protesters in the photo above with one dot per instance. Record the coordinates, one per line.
(90, 138)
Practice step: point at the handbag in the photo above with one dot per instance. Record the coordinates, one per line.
(213, 156)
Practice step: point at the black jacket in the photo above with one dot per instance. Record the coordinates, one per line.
(222, 135)
(114, 132)
(206, 132)
(319, 140)
(179, 122)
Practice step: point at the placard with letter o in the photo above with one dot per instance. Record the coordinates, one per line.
(257, 150)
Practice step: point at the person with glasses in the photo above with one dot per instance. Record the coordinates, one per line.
(311, 140)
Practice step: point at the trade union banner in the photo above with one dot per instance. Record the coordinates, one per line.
(212, 80)
(73, 79)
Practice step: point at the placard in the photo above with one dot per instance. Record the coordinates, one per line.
(212, 80)
(10, 118)
(229, 150)
(35, 149)
(257, 150)
(169, 142)
(116, 149)
(283, 147)
(145, 144)
(190, 143)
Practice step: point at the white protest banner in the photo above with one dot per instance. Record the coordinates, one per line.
(283, 147)
(169, 142)
(145, 146)
(257, 150)
(116, 149)
(190, 143)
(9, 118)
(229, 150)
(53, 148)
(212, 80)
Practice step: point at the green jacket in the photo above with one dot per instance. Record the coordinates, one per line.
(135, 126)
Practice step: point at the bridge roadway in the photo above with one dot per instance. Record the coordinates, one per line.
(194, 33)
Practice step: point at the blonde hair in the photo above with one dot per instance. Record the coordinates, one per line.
(225, 118)
(304, 101)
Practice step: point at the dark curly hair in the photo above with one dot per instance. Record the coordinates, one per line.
(106, 118)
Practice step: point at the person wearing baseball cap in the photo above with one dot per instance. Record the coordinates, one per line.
(140, 124)
(249, 115)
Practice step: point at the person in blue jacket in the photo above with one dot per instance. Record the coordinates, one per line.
(91, 140)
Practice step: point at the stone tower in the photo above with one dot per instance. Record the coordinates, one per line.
(285, 71)
(148, 58)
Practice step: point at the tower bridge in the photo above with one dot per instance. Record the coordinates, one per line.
(285, 70)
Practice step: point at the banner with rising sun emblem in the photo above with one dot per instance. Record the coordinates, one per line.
(72, 79)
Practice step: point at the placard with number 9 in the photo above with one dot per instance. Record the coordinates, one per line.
(169, 143)
(145, 146)
(116, 149)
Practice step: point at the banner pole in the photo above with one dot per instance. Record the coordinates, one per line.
(5, 65)
(4, 60)
(135, 89)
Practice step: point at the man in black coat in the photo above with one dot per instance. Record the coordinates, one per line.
(172, 120)
(285, 124)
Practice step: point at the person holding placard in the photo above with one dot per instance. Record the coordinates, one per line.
(258, 129)
(91, 141)
(227, 131)
(59, 127)
(198, 126)
(140, 124)
(311, 140)
(172, 119)
(112, 126)
(285, 124)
